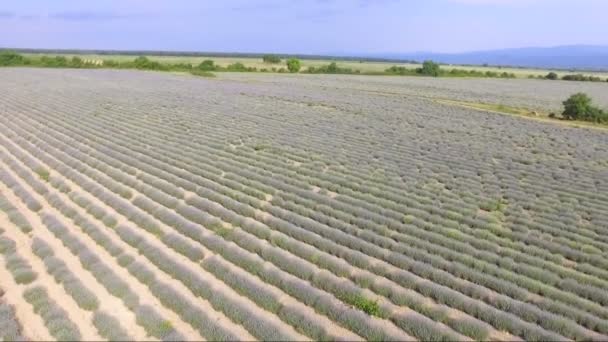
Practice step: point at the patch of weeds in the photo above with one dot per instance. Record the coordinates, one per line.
(260, 146)
(43, 174)
(407, 219)
(223, 232)
(366, 305)
(498, 205)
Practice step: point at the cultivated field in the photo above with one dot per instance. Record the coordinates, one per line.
(142, 205)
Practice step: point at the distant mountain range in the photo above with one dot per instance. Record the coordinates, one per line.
(582, 57)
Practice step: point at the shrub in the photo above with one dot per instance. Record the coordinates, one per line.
(293, 65)
(471, 327)
(144, 63)
(240, 67)
(429, 68)
(10, 330)
(14, 215)
(580, 107)
(77, 62)
(55, 318)
(180, 66)
(63, 275)
(331, 68)
(53, 62)
(552, 76)
(423, 329)
(60, 185)
(257, 292)
(368, 306)
(20, 269)
(304, 323)
(109, 327)
(183, 246)
(7, 246)
(154, 324)
(397, 70)
(108, 63)
(271, 59)
(11, 58)
(581, 78)
(207, 65)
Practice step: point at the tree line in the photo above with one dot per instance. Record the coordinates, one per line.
(274, 62)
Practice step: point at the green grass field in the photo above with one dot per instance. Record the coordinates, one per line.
(363, 66)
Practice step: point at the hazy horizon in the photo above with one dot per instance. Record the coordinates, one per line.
(322, 27)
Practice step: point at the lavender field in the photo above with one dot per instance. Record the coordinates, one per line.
(152, 206)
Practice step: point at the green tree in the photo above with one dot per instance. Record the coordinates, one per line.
(207, 65)
(271, 59)
(552, 76)
(143, 62)
(429, 68)
(580, 107)
(332, 68)
(11, 58)
(293, 65)
(237, 67)
(77, 62)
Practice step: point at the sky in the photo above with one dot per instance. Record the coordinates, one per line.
(338, 27)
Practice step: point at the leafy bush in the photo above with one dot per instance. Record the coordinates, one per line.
(11, 58)
(183, 246)
(581, 77)
(55, 318)
(109, 327)
(580, 107)
(180, 66)
(429, 68)
(7, 246)
(331, 68)
(293, 65)
(305, 323)
(77, 62)
(397, 70)
(271, 59)
(154, 324)
(14, 215)
(64, 276)
(108, 63)
(10, 330)
(54, 62)
(552, 76)
(257, 292)
(239, 67)
(19, 267)
(144, 63)
(368, 306)
(207, 65)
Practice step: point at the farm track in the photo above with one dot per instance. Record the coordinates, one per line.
(207, 195)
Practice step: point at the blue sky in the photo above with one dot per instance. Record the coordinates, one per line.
(304, 26)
